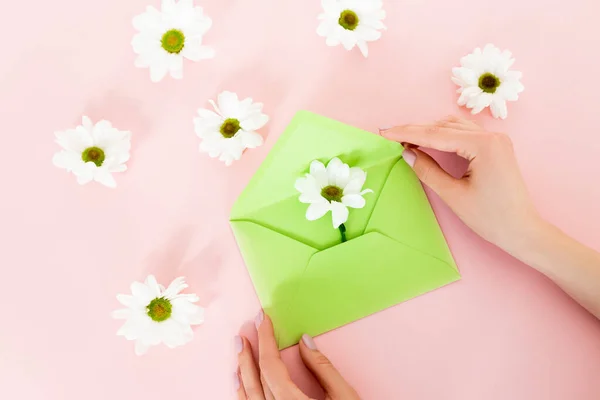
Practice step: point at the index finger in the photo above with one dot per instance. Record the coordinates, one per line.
(273, 369)
(434, 137)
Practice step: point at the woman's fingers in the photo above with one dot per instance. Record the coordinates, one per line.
(332, 381)
(273, 370)
(454, 122)
(239, 388)
(433, 136)
(250, 377)
(431, 174)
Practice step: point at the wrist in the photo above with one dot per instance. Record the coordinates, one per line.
(537, 244)
(529, 238)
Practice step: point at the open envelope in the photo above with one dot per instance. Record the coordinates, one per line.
(306, 280)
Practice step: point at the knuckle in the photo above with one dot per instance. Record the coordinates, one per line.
(433, 129)
(322, 360)
(254, 392)
(495, 139)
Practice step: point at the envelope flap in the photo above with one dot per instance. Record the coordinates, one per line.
(404, 213)
(271, 258)
(309, 137)
(356, 279)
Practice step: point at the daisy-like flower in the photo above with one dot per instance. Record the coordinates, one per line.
(231, 128)
(167, 36)
(351, 23)
(333, 188)
(157, 315)
(485, 79)
(93, 152)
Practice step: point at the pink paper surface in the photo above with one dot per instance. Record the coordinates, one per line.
(503, 332)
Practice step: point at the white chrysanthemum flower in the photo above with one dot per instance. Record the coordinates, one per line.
(165, 37)
(93, 152)
(157, 315)
(351, 23)
(485, 79)
(230, 130)
(333, 188)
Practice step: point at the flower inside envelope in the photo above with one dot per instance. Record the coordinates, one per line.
(306, 280)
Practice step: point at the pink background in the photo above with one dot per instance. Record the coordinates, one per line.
(503, 332)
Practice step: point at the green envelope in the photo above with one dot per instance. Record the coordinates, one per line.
(306, 279)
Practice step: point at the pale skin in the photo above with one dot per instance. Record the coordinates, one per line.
(491, 198)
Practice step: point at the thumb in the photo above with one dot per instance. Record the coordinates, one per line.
(332, 381)
(430, 172)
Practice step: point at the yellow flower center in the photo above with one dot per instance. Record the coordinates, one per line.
(173, 41)
(159, 309)
(93, 154)
(348, 20)
(229, 127)
(332, 193)
(489, 82)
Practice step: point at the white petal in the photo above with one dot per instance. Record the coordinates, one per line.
(254, 122)
(75, 140)
(104, 177)
(158, 71)
(354, 201)
(366, 34)
(356, 181)
(363, 47)
(82, 179)
(342, 176)
(250, 140)
(482, 101)
(142, 293)
(319, 172)
(175, 287)
(332, 168)
(317, 210)
(468, 94)
(229, 105)
(348, 39)
(67, 160)
(309, 189)
(198, 52)
(498, 108)
(153, 286)
(148, 21)
(339, 214)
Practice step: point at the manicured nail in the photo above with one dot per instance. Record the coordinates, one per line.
(309, 342)
(259, 318)
(238, 344)
(410, 157)
(236, 381)
(385, 128)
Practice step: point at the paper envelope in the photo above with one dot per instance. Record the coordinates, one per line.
(306, 279)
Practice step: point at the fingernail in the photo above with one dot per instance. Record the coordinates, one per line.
(236, 381)
(238, 344)
(385, 128)
(410, 157)
(259, 318)
(309, 342)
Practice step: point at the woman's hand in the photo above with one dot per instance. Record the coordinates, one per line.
(270, 380)
(491, 198)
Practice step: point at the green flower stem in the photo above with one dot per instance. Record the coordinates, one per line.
(343, 232)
